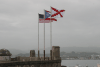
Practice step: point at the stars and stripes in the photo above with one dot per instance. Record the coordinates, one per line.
(44, 21)
(47, 20)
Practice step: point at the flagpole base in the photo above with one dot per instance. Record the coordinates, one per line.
(38, 54)
(51, 54)
(44, 54)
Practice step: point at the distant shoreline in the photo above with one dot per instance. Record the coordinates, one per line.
(82, 59)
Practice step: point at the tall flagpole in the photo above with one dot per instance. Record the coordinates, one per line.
(44, 34)
(51, 34)
(38, 35)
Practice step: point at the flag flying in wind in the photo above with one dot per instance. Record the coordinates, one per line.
(51, 18)
(56, 12)
(47, 20)
(47, 15)
(48, 11)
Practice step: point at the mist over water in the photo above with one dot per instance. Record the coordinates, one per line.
(83, 63)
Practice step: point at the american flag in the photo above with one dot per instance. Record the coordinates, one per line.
(41, 19)
(44, 21)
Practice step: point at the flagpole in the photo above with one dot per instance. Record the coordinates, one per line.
(44, 34)
(51, 33)
(38, 35)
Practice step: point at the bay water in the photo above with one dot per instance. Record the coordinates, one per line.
(82, 63)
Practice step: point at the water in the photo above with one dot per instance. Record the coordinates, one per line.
(83, 63)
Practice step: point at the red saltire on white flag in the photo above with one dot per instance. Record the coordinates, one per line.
(56, 12)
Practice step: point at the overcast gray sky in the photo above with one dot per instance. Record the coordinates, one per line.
(79, 27)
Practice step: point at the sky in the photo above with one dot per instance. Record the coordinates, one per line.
(79, 27)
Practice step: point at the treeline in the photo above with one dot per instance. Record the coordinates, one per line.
(78, 54)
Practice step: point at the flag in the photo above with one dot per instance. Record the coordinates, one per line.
(41, 19)
(51, 18)
(41, 16)
(47, 11)
(56, 12)
(47, 20)
(47, 15)
(44, 21)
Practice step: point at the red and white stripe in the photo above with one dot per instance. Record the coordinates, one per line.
(47, 20)
(51, 19)
(44, 21)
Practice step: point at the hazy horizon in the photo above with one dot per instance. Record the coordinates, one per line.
(49, 48)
